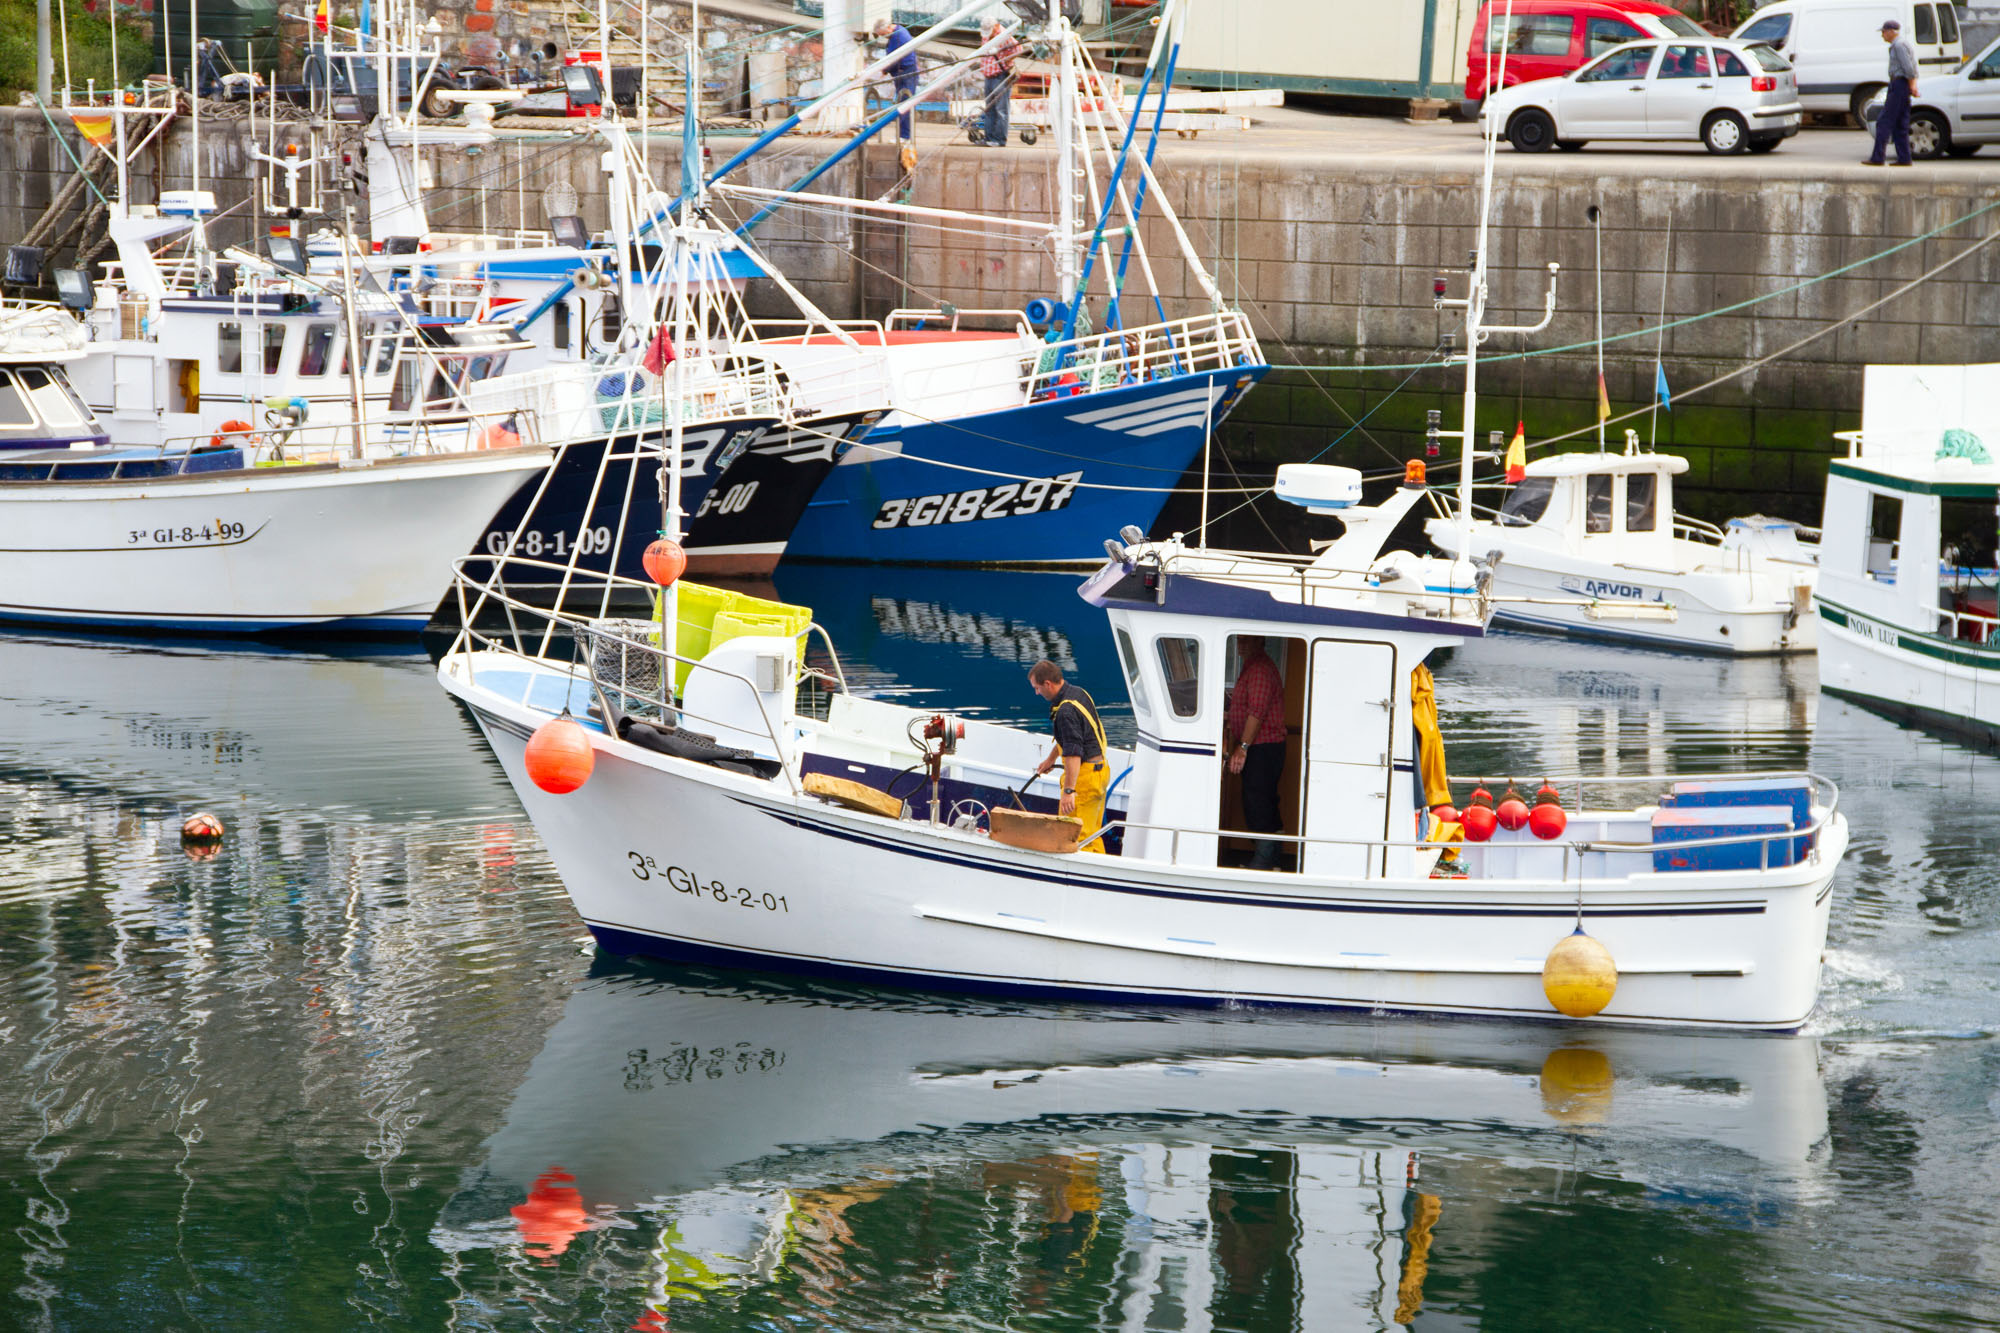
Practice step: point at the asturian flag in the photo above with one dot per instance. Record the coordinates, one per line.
(1517, 454)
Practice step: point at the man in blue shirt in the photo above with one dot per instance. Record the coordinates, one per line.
(1895, 120)
(896, 37)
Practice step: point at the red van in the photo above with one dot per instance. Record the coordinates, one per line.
(1550, 37)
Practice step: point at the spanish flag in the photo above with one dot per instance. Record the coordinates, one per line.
(319, 17)
(1517, 454)
(1603, 399)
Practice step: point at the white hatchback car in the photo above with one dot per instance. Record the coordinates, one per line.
(1954, 114)
(1729, 95)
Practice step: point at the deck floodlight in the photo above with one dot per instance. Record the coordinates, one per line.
(568, 230)
(287, 252)
(73, 289)
(1131, 534)
(24, 265)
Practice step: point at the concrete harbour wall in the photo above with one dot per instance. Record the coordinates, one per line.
(1336, 260)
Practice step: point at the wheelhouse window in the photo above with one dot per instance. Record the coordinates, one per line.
(15, 414)
(560, 336)
(274, 348)
(1597, 503)
(317, 353)
(1135, 683)
(1180, 665)
(229, 348)
(386, 338)
(1885, 530)
(1527, 502)
(52, 398)
(1641, 498)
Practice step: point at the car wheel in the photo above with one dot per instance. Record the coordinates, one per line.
(1764, 145)
(438, 107)
(1962, 149)
(1929, 135)
(1531, 131)
(1571, 145)
(1725, 132)
(1859, 98)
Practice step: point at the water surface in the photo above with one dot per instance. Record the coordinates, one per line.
(363, 1068)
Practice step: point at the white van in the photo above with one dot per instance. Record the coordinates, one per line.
(1836, 46)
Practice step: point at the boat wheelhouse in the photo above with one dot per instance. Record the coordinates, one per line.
(1583, 528)
(39, 409)
(1908, 579)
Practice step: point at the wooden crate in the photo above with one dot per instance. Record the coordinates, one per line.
(1034, 831)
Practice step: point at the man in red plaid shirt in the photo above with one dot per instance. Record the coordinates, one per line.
(1254, 723)
(998, 67)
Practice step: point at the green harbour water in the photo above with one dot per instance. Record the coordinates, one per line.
(363, 1067)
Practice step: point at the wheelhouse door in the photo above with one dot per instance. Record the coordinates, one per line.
(1350, 734)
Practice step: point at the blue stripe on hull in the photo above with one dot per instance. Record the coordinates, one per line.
(1041, 440)
(639, 944)
(397, 625)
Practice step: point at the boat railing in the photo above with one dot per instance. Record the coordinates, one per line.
(1303, 578)
(914, 320)
(1695, 529)
(628, 671)
(1119, 358)
(1572, 850)
(1968, 626)
(587, 401)
(345, 441)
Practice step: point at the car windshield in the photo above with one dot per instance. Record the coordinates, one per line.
(1625, 63)
(1769, 59)
(1680, 26)
(1771, 28)
(1987, 63)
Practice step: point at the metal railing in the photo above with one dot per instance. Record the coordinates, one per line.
(645, 669)
(1570, 849)
(584, 402)
(1218, 341)
(1968, 626)
(346, 441)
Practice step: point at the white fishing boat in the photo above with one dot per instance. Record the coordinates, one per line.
(1582, 529)
(1907, 591)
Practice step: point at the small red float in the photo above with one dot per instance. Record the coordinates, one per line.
(665, 561)
(1512, 812)
(1479, 822)
(1444, 813)
(560, 756)
(1547, 820)
(201, 828)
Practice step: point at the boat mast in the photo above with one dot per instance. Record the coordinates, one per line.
(1068, 169)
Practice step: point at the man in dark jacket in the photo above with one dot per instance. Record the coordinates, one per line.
(904, 71)
(1895, 121)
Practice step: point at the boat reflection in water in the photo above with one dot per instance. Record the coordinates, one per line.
(744, 1150)
(904, 631)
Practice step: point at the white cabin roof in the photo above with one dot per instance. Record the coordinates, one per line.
(1577, 465)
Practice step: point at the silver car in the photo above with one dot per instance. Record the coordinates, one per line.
(1731, 96)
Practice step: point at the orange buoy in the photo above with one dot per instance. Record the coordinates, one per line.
(219, 440)
(560, 756)
(665, 561)
(1547, 820)
(1512, 812)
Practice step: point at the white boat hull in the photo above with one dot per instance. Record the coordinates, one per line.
(669, 858)
(333, 547)
(1716, 611)
(1944, 684)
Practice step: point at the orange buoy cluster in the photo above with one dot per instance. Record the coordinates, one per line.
(560, 756)
(1478, 817)
(664, 561)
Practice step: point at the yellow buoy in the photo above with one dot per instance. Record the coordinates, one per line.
(1578, 976)
(1576, 1085)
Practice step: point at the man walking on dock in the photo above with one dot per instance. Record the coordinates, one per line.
(904, 71)
(1895, 119)
(998, 67)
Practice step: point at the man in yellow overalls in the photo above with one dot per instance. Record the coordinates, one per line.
(1079, 745)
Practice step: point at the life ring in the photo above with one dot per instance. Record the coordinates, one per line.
(232, 427)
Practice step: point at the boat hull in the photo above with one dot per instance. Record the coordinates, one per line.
(1940, 684)
(1040, 484)
(362, 548)
(1738, 615)
(744, 524)
(672, 859)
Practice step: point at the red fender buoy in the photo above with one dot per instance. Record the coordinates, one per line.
(1547, 820)
(1479, 822)
(1512, 812)
(560, 756)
